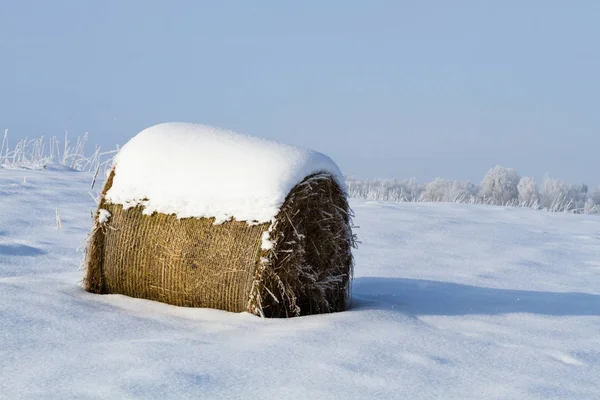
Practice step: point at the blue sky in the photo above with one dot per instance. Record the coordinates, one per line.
(386, 88)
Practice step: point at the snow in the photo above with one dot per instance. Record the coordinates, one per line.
(449, 301)
(103, 216)
(200, 171)
(266, 242)
(49, 166)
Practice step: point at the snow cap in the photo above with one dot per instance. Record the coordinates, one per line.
(200, 171)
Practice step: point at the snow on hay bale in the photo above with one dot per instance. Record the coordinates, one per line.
(197, 216)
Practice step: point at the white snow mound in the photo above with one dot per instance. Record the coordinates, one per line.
(193, 170)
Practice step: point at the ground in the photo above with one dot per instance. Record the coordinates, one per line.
(449, 301)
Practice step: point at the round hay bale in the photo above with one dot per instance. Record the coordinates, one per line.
(299, 263)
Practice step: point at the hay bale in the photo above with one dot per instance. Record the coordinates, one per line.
(298, 262)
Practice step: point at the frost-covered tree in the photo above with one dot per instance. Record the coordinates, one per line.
(528, 192)
(590, 207)
(592, 204)
(499, 186)
(411, 189)
(594, 197)
(384, 189)
(444, 190)
(554, 195)
(577, 197)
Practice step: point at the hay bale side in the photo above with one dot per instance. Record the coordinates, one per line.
(94, 281)
(188, 262)
(309, 270)
(94, 256)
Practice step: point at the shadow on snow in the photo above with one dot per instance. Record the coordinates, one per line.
(19, 250)
(423, 297)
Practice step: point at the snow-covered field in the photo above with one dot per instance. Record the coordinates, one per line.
(449, 301)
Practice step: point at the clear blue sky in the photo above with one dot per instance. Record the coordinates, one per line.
(386, 88)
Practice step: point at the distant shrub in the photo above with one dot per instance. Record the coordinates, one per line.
(554, 195)
(384, 189)
(444, 190)
(499, 186)
(592, 203)
(594, 197)
(578, 196)
(528, 193)
(590, 207)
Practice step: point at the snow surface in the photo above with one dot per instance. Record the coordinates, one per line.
(449, 302)
(200, 171)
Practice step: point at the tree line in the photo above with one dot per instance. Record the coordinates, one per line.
(500, 186)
